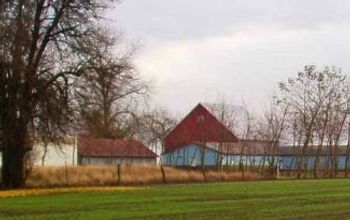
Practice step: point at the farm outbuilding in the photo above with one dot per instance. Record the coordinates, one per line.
(102, 151)
(248, 152)
(198, 126)
(186, 144)
(201, 139)
(328, 156)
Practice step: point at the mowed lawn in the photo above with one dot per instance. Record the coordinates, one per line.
(288, 199)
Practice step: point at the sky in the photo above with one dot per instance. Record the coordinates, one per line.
(231, 50)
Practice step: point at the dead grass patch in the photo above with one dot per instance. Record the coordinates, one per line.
(48, 177)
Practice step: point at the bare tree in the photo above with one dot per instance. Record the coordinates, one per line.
(248, 133)
(272, 128)
(347, 153)
(109, 92)
(44, 45)
(154, 125)
(227, 114)
(318, 105)
(322, 124)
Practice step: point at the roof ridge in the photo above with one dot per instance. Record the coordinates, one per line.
(183, 119)
(187, 129)
(220, 122)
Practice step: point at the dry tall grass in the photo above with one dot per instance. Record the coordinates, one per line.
(127, 175)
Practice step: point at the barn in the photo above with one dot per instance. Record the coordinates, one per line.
(187, 143)
(103, 151)
(201, 139)
(198, 126)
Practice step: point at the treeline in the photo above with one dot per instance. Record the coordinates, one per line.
(310, 114)
(62, 72)
(318, 103)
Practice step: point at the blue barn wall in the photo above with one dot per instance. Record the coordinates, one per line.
(190, 155)
(290, 162)
(256, 160)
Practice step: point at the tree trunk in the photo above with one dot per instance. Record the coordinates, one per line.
(43, 157)
(13, 167)
(346, 173)
(347, 153)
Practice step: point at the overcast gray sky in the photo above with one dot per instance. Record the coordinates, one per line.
(200, 51)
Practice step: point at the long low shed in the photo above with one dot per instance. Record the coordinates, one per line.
(290, 157)
(102, 151)
(258, 154)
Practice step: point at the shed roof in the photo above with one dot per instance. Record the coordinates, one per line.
(103, 147)
(198, 126)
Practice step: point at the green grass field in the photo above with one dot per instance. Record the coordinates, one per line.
(288, 199)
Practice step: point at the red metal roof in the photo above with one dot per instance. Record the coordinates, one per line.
(198, 126)
(103, 147)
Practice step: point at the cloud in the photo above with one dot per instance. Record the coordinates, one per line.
(246, 62)
(182, 19)
(202, 50)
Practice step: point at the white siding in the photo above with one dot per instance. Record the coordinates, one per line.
(56, 156)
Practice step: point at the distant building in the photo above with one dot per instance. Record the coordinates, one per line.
(102, 151)
(289, 157)
(201, 139)
(247, 152)
(56, 155)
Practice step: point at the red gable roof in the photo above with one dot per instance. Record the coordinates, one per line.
(102, 147)
(198, 126)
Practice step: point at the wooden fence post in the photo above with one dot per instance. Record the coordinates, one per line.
(66, 169)
(119, 174)
(163, 173)
(204, 176)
